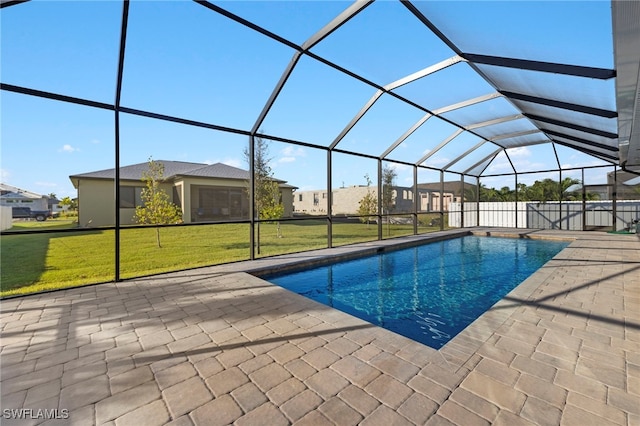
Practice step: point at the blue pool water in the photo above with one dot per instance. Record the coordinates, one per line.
(428, 293)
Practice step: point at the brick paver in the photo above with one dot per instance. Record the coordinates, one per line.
(220, 346)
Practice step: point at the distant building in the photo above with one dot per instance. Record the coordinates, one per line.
(204, 192)
(12, 196)
(346, 199)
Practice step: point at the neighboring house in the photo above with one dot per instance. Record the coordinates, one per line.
(55, 207)
(204, 192)
(346, 199)
(12, 196)
(452, 192)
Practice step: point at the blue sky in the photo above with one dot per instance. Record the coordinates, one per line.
(187, 61)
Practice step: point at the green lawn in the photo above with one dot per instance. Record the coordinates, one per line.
(49, 224)
(46, 261)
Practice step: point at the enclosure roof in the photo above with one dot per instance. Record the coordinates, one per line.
(453, 86)
(626, 24)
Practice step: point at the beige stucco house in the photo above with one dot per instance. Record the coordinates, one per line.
(204, 192)
(346, 200)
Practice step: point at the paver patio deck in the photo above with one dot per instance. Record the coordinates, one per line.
(220, 346)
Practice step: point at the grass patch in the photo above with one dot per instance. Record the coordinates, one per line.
(53, 260)
(47, 261)
(49, 224)
(182, 248)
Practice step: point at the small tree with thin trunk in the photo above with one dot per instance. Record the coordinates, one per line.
(388, 199)
(368, 206)
(268, 198)
(157, 209)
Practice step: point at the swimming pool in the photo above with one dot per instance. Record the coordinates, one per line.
(428, 293)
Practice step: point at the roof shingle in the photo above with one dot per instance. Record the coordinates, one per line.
(172, 169)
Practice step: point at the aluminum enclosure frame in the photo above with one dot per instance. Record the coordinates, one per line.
(618, 151)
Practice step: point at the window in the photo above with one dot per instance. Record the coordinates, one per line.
(130, 197)
(220, 203)
(175, 194)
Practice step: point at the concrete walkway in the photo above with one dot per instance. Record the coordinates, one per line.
(219, 346)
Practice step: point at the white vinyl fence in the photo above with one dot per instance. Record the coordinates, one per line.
(5, 217)
(567, 215)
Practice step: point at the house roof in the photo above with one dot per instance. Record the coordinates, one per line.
(172, 170)
(448, 186)
(218, 170)
(10, 191)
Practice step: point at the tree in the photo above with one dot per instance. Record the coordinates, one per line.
(489, 194)
(267, 196)
(156, 208)
(567, 183)
(72, 204)
(471, 193)
(388, 199)
(541, 190)
(506, 194)
(368, 206)
(548, 190)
